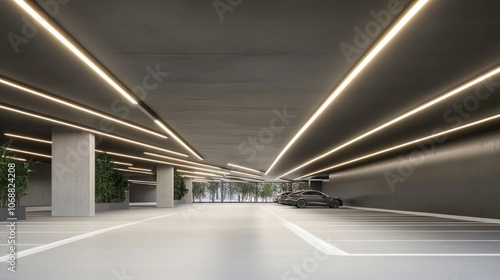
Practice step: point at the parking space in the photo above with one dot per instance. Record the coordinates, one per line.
(254, 241)
(361, 232)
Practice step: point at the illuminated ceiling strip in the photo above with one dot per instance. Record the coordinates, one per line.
(178, 139)
(245, 168)
(196, 172)
(355, 72)
(74, 49)
(181, 160)
(404, 116)
(492, 118)
(140, 169)
(165, 162)
(122, 163)
(98, 70)
(89, 130)
(248, 179)
(133, 171)
(233, 181)
(28, 152)
(78, 107)
(142, 182)
(246, 174)
(27, 138)
(192, 176)
(16, 158)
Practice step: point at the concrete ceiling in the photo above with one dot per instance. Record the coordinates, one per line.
(226, 77)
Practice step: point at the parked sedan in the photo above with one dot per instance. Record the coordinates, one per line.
(280, 198)
(306, 198)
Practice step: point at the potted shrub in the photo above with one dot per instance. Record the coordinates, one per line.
(110, 186)
(19, 176)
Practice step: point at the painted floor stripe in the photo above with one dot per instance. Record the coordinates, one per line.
(423, 255)
(451, 240)
(314, 241)
(49, 246)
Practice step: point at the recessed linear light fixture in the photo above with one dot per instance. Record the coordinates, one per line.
(140, 169)
(133, 171)
(121, 163)
(76, 106)
(165, 162)
(142, 182)
(181, 160)
(42, 20)
(28, 153)
(247, 179)
(177, 138)
(192, 177)
(196, 172)
(492, 118)
(16, 158)
(88, 129)
(403, 116)
(74, 49)
(246, 174)
(245, 168)
(353, 74)
(27, 138)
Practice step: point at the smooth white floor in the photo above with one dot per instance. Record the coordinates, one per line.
(252, 241)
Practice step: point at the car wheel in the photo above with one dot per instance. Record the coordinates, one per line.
(334, 203)
(301, 203)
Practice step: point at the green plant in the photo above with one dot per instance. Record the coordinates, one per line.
(110, 186)
(22, 171)
(180, 189)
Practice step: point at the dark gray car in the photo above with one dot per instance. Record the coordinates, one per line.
(306, 198)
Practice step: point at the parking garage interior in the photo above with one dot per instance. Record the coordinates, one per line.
(204, 112)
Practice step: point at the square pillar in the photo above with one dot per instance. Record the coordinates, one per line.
(73, 172)
(164, 186)
(188, 198)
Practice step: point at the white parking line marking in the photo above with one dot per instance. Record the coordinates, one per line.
(410, 230)
(87, 235)
(424, 255)
(398, 240)
(419, 225)
(314, 241)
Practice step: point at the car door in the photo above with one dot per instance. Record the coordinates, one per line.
(313, 198)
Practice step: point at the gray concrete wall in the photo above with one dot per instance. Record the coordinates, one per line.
(142, 193)
(458, 178)
(39, 192)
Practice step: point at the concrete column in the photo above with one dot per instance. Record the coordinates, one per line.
(188, 198)
(164, 186)
(73, 173)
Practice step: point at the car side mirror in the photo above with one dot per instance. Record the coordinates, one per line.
(324, 196)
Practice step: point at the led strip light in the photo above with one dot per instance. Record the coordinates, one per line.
(403, 116)
(94, 67)
(88, 129)
(353, 74)
(77, 107)
(492, 118)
